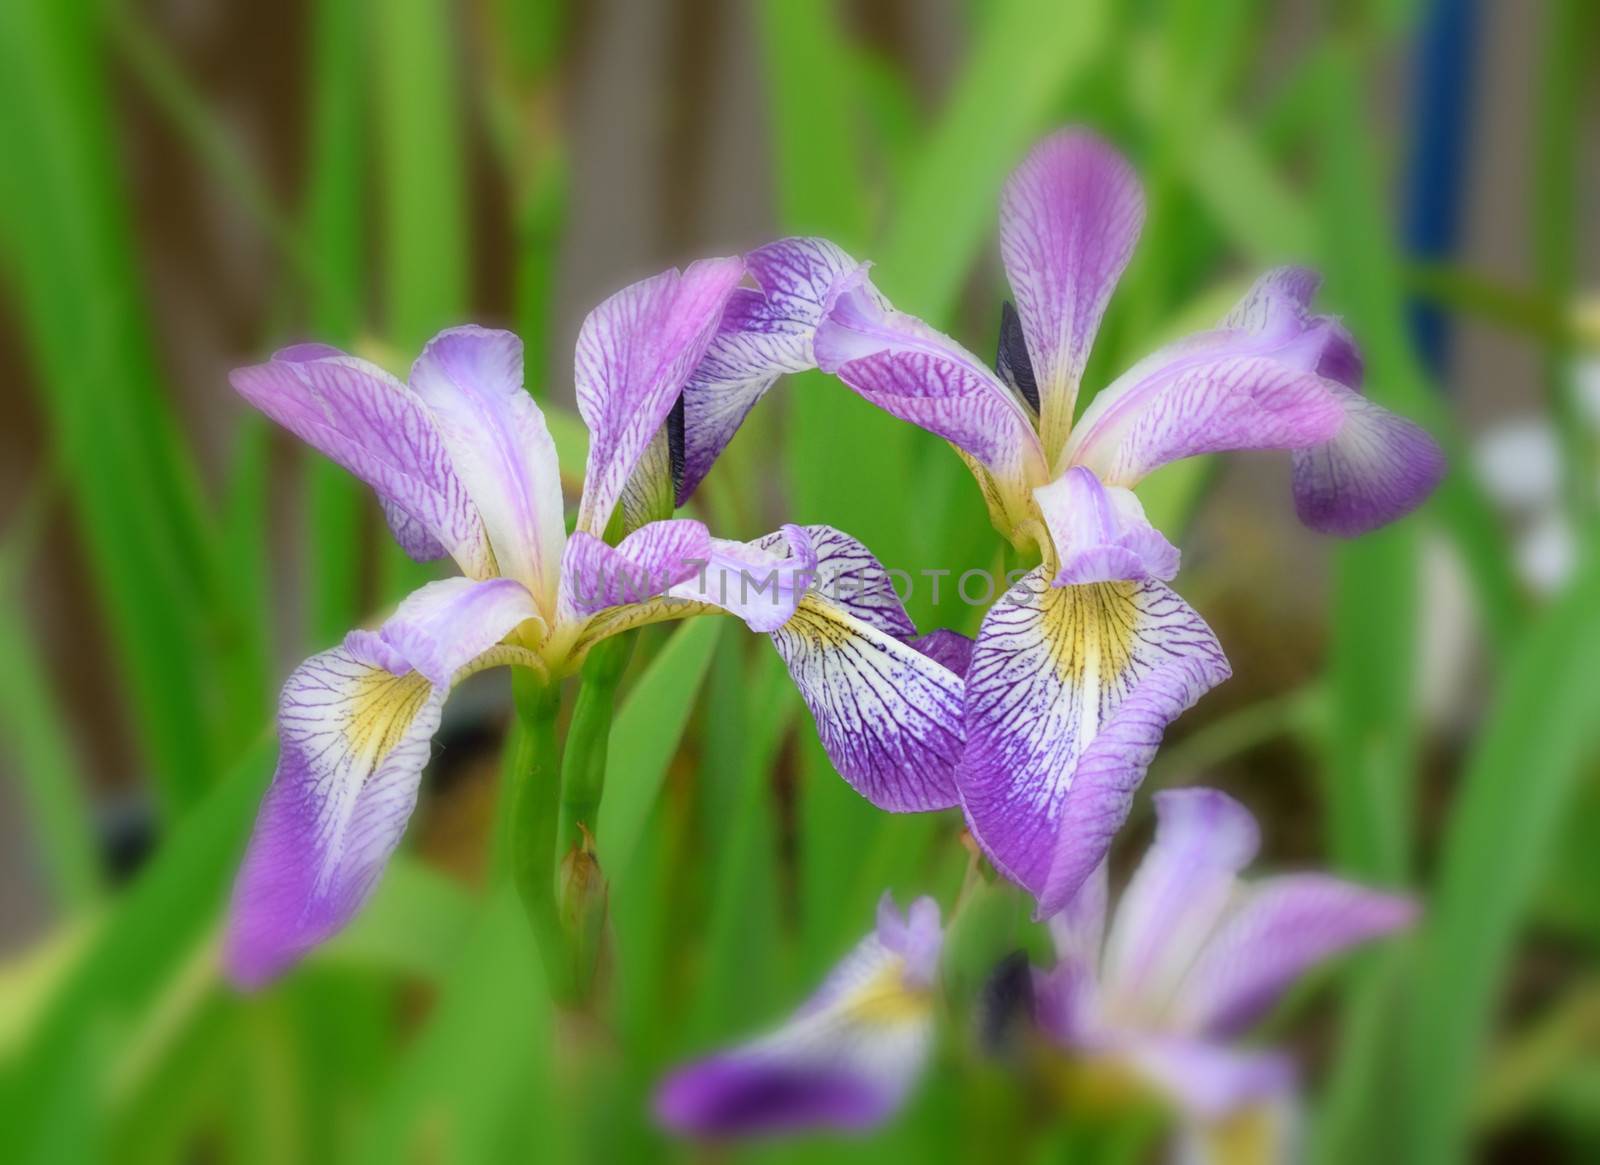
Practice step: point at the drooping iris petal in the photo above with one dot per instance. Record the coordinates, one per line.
(920, 375)
(1069, 218)
(1181, 889)
(471, 380)
(1279, 929)
(643, 566)
(1067, 695)
(354, 725)
(635, 353)
(375, 427)
(1101, 534)
(845, 1060)
(764, 333)
(1378, 467)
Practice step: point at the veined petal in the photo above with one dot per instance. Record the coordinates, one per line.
(471, 381)
(444, 625)
(950, 648)
(1379, 467)
(373, 426)
(761, 582)
(1067, 696)
(845, 1060)
(1258, 381)
(353, 725)
(920, 375)
(1173, 903)
(635, 353)
(1101, 534)
(888, 716)
(1278, 930)
(645, 565)
(886, 704)
(765, 332)
(849, 576)
(1069, 218)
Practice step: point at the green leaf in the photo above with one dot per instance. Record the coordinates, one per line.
(1544, 722)
(645, 738)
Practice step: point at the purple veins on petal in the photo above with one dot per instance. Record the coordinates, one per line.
(846, 1059)
(888, 714)
(354, 726)
(921, 375)
(1379, 467)
(765, 332)
(1070, 216)
(636, 351)
(470, 378)
(1067, 696)
(379, 430)
(646, 564)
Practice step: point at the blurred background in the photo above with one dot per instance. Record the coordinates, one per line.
(188, 185)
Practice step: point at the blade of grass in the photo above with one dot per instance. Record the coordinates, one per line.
(645, 738)
(133, 486)
(1366, 282)
(1542, 726)
(152, 929)
(45, 764)
(425, 244)
(333, 213)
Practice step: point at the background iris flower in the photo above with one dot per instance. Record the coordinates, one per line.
(1192, 956)
(845, 1060)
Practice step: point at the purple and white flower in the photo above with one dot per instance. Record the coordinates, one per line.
(1078, 669)
(845, 1060)
(1192, 956)
(464, 465)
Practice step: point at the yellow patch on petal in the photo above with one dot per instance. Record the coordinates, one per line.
(1091, 630)
(818, 623)
(886, 999)
(381, 709)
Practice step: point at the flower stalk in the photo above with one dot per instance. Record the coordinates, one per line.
(533, 813)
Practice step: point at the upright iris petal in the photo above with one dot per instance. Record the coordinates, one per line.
(1069, 218)
(635, 353)
(844, 1060)
(471, 380)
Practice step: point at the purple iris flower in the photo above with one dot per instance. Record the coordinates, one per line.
(1193, 955)
(845, 1060)
(464, 466)
(1080, 666)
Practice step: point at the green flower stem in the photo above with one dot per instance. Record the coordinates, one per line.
(533, 806)
(583, 771)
